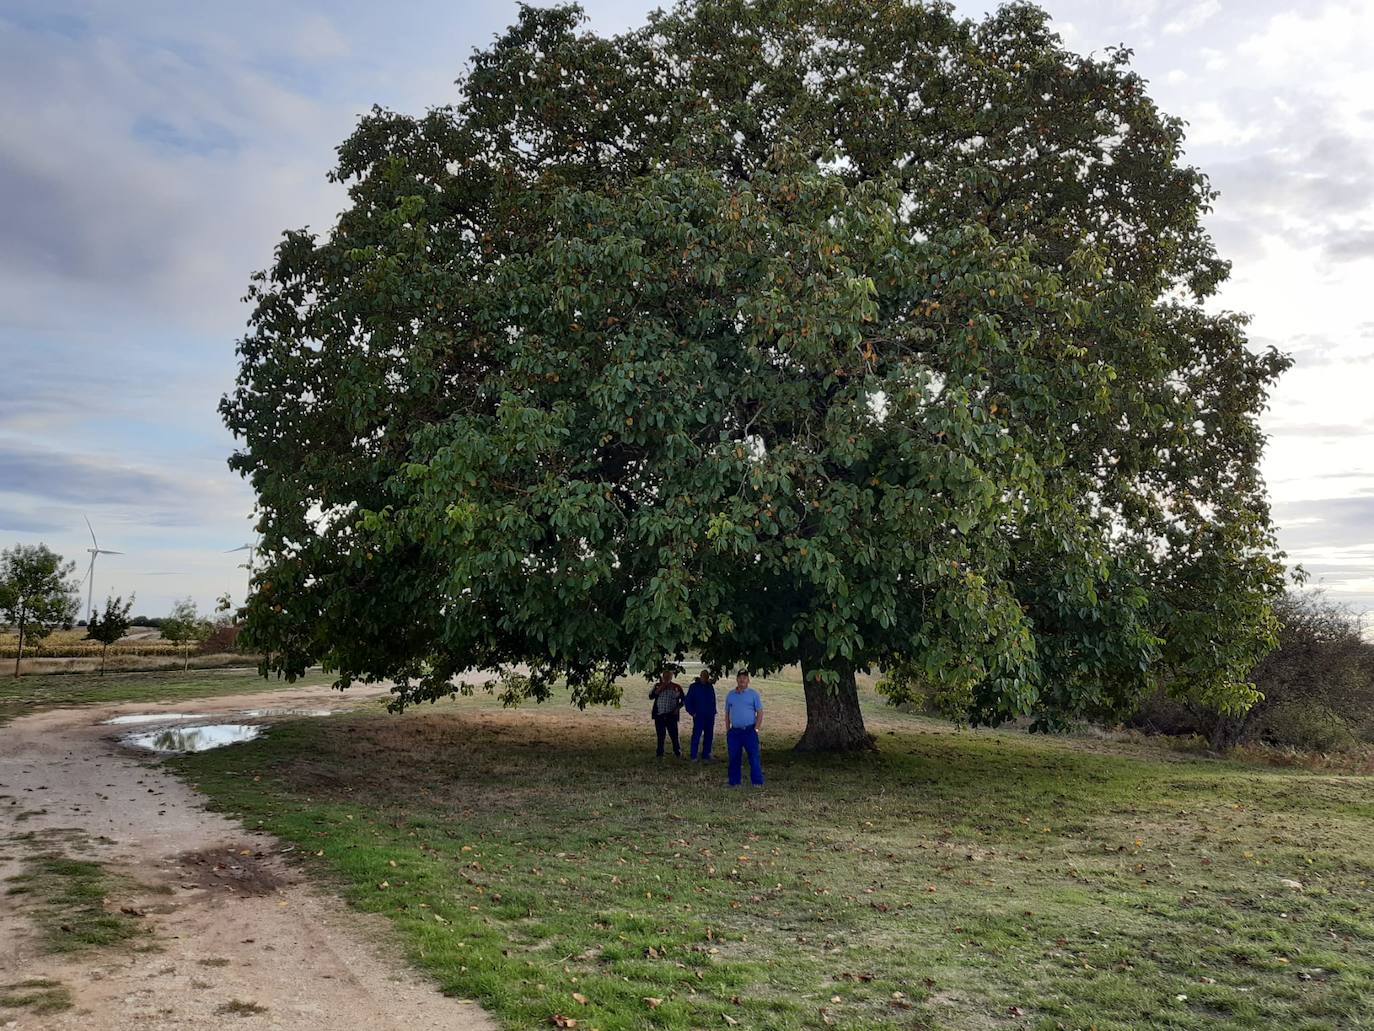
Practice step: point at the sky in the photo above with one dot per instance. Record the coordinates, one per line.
(151, 153)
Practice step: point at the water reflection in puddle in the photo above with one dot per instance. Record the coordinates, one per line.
(193, 739)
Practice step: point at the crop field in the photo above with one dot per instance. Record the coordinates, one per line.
(71, 644)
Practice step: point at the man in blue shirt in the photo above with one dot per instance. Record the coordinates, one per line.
(743, 720)
(701, 705)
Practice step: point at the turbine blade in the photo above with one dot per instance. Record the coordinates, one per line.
(102, 552)
(92, 530)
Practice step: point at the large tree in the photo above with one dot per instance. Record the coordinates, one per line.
(858, 336)
(37, 594)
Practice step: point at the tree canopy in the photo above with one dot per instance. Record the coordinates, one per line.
(110, 626)
(857, 336)
(37, 594)
(185, 626)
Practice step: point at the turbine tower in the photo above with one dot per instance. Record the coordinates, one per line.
(94, 550)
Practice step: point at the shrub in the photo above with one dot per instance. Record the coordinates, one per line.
(1317, 687)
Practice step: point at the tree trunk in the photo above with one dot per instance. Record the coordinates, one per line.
(103, 650)
(834, 722)
(19, 652)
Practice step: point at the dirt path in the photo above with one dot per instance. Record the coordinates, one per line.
(232, 927)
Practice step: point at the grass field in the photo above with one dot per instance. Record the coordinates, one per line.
(32, 693)
(543, 862)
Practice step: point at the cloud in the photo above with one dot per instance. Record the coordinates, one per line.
(15, 520)
(1196, 15)
(1350, 244)
(318, 38)
(1311, 351)
(1322, 429)
(153, 169)
(1329, 523)
(1309, 192)
(49, 476)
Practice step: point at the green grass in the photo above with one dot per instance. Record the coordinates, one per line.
(67, 901)
(39, 994)
(535, 858)
(22, 695)
(239, 1008)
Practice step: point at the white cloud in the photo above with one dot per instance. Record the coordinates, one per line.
(320, 39)
(1193, 17)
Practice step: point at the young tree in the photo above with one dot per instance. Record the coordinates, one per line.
(110, 626)
(847, 335)
(36, 593)
(185, 626)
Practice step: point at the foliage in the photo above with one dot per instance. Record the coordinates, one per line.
(970, 872)
(1317, 686)
(855, 336)
(110, 626)
(185, 626)
(37, 594)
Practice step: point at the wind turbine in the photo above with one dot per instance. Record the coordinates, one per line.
(252, 548)
(94, 550)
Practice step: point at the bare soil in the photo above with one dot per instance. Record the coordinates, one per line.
(232, 929)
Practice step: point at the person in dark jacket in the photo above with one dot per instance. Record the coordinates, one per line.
(667, 699)
(701, 706)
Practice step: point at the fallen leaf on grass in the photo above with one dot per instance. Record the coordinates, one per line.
(653, 1003)
(558, 1020)
(580, 998)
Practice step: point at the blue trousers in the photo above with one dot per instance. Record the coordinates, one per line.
(737, 741)
(703, 730)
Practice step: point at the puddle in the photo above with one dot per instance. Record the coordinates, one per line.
(193, 739)
(155, 717)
